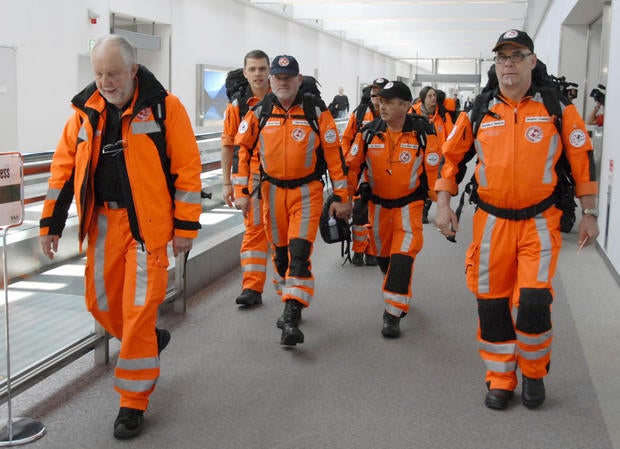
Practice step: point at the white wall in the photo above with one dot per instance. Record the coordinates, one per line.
(52, 38)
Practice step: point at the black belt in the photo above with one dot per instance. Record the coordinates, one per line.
(417, 195)
(518, 214)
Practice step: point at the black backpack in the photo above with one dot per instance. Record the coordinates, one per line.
(554, 100)
(237, 87)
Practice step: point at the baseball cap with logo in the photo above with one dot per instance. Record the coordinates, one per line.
(396, 89)
(515, 37)
(379, 82)
(284, 64)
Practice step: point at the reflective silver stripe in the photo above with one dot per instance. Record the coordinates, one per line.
(342, 184)
(375, 229)
(141, 277)
(544, 236)
(300, 282)
(498, 348)
(485, 255)
(359, 238)
(414, 172)
(52, 194)
(401, 299)
(187, 197)
(533, 355)
(278, 283)
(306, 210)
(549, 165)
(138, 364)
(261, 151)
(136, 386)
(240, 180)
(406, 225)
(500, 367)
(393, 310)
(254, 255)
(310, 149)
(482, 171)
(82, 134)
(98, 262)
(272, 215)
(253, 268)
(145, 127)
(297, 293)
(533, 340)
(256, 207)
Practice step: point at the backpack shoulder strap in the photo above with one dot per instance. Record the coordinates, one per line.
(312, 106)
(480, 109)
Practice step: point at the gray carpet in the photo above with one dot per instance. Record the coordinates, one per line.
(227, 383)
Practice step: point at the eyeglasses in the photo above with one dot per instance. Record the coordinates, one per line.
(113, 149)
(515, 58)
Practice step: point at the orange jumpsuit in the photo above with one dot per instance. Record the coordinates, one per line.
(443, 127)
(517, 146)
(395, 171)
(292, 194)
(126, 259)
(254, 246)
(359, 225)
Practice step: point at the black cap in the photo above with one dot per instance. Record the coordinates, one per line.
(396, 89)
(379, 82)
(515, 37)
(284, 64)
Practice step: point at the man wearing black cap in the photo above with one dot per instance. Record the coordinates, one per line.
(516, 229)
(292, 191)
(366, 112)
(390, 151)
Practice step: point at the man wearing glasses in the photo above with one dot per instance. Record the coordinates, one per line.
(516, 228)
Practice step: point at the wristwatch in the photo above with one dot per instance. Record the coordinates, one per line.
(593, 212)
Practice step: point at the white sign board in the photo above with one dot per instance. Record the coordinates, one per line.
(11, 189)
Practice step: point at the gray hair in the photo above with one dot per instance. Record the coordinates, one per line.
(128, 51)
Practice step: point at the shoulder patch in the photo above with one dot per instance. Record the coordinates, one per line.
(577, 138)
(243, 127)
(330, 136)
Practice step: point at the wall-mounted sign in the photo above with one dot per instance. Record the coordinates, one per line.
(11, 189)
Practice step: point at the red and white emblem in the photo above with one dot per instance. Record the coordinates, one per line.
(283, 61)
(144, 114)
(298, 134)
(510, 34)
(405, 157)
(534, 134)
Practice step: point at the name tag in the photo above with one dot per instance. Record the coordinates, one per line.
(272, 123)
(301, 122)
(542, 119)
(411, 146)
(493, 124)
(376, 145)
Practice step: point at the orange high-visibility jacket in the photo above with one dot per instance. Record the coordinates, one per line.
(287, 146)
(518, 146)
(158, 214)
(392, 171)
(349, 132)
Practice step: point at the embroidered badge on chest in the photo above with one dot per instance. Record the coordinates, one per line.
(405, 157)
(534, 134)
(144, 114)
(298, 134)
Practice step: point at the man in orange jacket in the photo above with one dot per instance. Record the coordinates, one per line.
(254, 246)
(394, 162)
(362, 251)
(516, 231)
(129, 156)
(292, 191)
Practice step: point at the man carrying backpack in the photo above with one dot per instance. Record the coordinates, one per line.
(390, 150)
(254, 247)
(295, 138)
(516, 228)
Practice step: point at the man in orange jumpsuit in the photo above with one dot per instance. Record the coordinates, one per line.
(292, 190)
(516, 230)
(254, 245)
(394, 163)
(362, 251)
(129, 156)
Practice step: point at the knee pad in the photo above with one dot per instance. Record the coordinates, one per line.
(360, 212)
(384, 263)
(534, 314)
(495, 320)
(399, 274)
(280, 259)
(300, 258)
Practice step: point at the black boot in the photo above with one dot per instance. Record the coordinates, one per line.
(391, 326)
(358, 259)
(291, 335)
(280, 322)
(498, 399)
(249, 297)
(533, 392)
(427, 206)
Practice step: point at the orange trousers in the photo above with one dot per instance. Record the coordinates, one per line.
(397, 235)
(124, 287)
(509, 267)
(254, 246)
(291, 223)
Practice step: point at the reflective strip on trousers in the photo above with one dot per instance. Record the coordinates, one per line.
(135, 386)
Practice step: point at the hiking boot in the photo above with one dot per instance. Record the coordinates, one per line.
(280, 321)
(391, 326)
(291, 335)
(128, 423)
(371, 260)
(498, 399)
(163, 338)
(249, 297)
(358, 259)
(533, 392)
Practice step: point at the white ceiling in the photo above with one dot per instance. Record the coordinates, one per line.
(409, 30)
